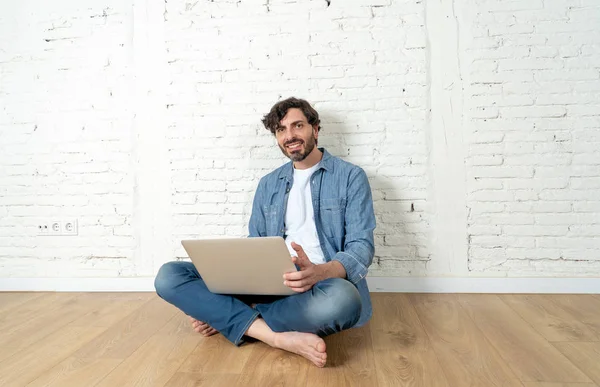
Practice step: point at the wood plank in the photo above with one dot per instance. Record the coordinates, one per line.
(350, 360)
(76, 372)
(585, 308)
(10, 300)
(153, 363)
(125, 337)
(528, 354)
(466, 356)
(402, 352)
(269, 366)
(36, 328)
(186, 379)
(217, 355)
(32, 309)
(550, 319)
(88, 371)
(546, 384)
(586, 356)
(112, 308)
(26, 365)
(179, 325)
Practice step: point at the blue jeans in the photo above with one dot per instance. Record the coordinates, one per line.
(330, 306)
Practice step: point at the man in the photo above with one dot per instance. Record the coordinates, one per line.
(323, 208)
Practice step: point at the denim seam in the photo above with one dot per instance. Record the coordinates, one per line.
(239, 338)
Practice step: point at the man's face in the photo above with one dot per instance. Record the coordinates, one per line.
(295, 136)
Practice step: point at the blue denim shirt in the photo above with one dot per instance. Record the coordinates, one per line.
(344, 216)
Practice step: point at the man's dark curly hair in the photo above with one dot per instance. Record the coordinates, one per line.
(280, 109)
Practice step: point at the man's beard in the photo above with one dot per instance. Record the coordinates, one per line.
(299, 155)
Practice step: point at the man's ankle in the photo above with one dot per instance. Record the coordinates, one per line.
(275, 340)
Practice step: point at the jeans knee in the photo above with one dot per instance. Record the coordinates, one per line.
(337, 300)
(167, 278)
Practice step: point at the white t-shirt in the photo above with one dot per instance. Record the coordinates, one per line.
(300, 217)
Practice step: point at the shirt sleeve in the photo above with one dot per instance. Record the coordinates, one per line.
(359, 245)
(257, 225)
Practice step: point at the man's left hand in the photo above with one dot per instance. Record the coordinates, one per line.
(308, 275)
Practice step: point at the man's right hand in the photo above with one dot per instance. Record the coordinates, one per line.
(203, 328)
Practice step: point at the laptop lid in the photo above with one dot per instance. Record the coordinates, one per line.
(242, 265)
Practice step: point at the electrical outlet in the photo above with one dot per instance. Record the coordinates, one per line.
(58, 227)
(69, 227)
(43, 229)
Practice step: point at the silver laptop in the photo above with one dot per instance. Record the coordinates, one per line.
(242, 265)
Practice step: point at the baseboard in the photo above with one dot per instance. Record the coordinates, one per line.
(376, 284)
(484, 285)
(131, 284)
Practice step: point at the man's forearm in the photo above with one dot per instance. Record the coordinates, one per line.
(333, 269)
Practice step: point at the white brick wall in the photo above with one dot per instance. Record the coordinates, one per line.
(477, 124)
(532, 82)
(65, 137)
(360, 66)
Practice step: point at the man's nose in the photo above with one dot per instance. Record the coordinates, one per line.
(287, 134)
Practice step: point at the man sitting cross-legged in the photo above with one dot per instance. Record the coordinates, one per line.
(322, 206)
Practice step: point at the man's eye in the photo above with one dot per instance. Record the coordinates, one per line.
(299, 125)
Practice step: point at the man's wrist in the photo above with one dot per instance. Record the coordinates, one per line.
(333, 269)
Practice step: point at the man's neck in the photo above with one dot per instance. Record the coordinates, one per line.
(311, 160)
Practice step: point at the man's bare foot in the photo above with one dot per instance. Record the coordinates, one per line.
(307, 345)
(203, 328)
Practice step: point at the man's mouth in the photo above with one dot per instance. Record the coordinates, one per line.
(292, 146)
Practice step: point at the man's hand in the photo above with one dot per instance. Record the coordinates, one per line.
(309, 273)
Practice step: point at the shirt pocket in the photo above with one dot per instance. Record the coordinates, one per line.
(271, 212)
(333, 211)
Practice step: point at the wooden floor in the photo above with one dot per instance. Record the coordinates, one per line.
(429, 340)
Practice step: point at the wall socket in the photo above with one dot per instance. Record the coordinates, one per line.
(58, 227)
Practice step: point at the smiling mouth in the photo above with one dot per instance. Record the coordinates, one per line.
(294, 146)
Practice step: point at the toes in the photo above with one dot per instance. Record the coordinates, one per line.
(319, 363)
(210, 332)
(321, 346)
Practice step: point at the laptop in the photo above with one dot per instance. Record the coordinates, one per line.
(242, 266)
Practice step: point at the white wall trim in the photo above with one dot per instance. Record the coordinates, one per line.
(484, 285)
(376, 284)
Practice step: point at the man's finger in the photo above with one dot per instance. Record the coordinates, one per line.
(296, 284)
(303, 262)
(302, 289)
(299, 250)
(296, 275)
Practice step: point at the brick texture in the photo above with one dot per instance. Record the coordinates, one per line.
(533, 86)
(65, 137)
(363, 66)
(70, 146)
